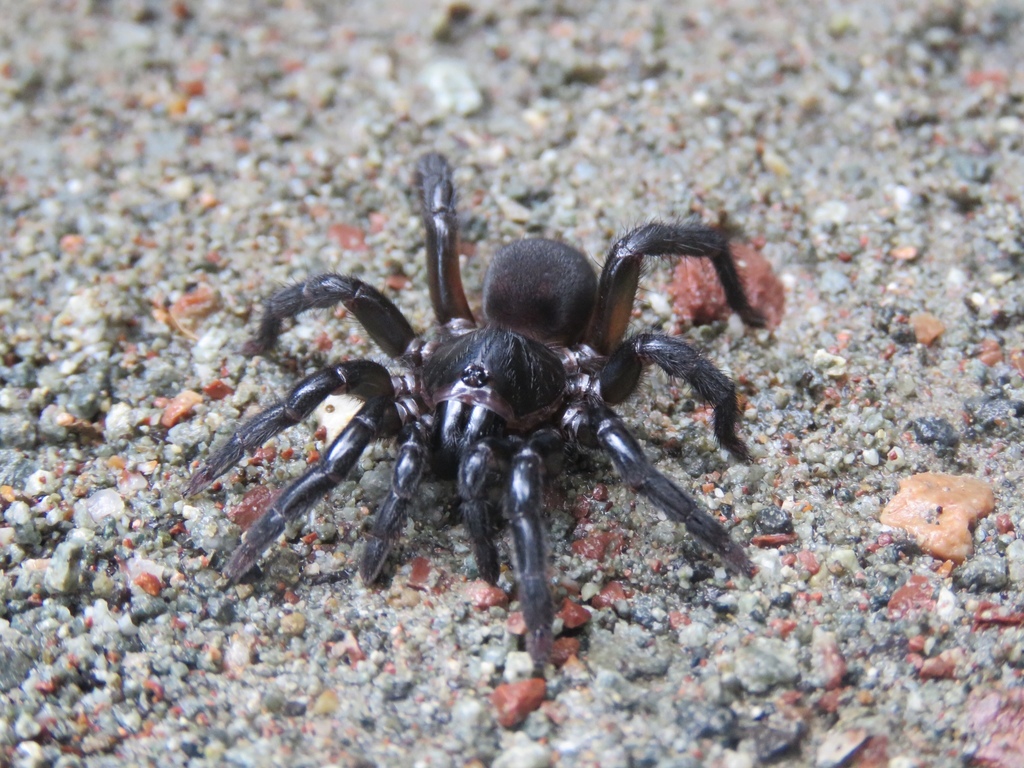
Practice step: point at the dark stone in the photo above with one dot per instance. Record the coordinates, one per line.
(935, 431)
(773, 743)
(294, 708)
(772, 520)
(994, 410)
(396, 690)
(701, 720)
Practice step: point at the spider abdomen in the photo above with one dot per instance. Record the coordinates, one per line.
(542, 288)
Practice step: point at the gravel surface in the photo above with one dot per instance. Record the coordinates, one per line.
(165, 165)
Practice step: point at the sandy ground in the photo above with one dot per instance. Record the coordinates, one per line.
(163, 166)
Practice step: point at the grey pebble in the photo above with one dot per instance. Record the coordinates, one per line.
(764, 664)
(982, 573)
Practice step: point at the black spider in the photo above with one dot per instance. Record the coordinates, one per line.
(492, 404)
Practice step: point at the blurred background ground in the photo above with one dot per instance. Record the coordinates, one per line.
(165, 165)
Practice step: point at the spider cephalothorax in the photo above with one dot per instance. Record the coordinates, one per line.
(494, 402)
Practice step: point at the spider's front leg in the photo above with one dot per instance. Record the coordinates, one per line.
(377, 418)
(409, 466)
(621, 275)
(486, 460)
(628, 457)
(621, 374)
(539, 457)
(361, 378)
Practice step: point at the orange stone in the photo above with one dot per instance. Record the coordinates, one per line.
(927, 327)
(939, 511)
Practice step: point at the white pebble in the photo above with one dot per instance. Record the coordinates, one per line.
(104, 504)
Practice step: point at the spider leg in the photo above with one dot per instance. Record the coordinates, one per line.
(373, 420)
(378, 315)
(541, 455)
(487, 459)
(412, 459)
(437, 195)
(362, 378)
(627, 455)
(622, 373)
(621, 275)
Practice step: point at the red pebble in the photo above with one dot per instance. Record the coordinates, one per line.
(698, 297)
(514, 701)
(420, 572)
(348, 237)
(913, 597)
(180, 407)
(563, 649)
(149, 583)
(251, 507)
(483, 595)
(516, 624)
(573, 615)
(597, 545)
(217, 390)
(612, 592)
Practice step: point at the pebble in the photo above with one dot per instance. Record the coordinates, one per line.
(939, 511)
(984, 573)
(64, 572)
(839, 746)
(514, 701)
(936, 431)
(518, 666)
(765, 664)
(524, 754)
(829, 364)
(104, 504)
(453, 88)
(1015, 561)
(927, 327)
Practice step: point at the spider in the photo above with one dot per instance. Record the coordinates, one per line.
(493, 404)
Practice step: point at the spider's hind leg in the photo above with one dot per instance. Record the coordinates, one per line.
(635, 468)
(378, 315)
(621, 275)
(622, 373)
(440, 219)
(377, 418)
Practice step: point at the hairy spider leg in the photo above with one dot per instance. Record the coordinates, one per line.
(362, 378)
(378, 315)
(482, 467)
(437, 195)
(377, 418)
(621, 275)
(387, 525)
(638, 472)
(532, 463)
(622, 372)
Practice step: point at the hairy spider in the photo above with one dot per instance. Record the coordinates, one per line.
(494, 403)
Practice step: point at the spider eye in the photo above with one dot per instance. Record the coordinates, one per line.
(475, 375)
(540, 288)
